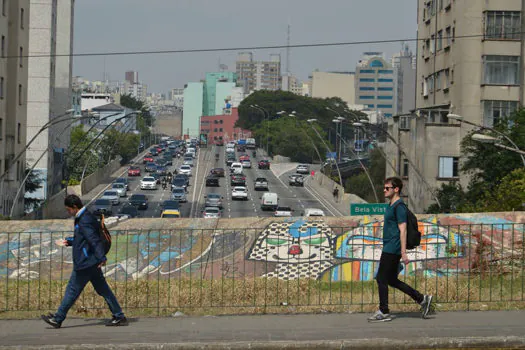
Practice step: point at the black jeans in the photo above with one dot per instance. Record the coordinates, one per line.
(387, 275)
(78, 281)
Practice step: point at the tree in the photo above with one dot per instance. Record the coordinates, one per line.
(32, 184)
(359, 184)
(75, 163)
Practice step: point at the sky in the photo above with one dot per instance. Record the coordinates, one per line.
(103, 26)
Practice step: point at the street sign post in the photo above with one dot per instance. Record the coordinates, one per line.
(368, 209)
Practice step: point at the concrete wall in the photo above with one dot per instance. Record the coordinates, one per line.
(326, 85)
(99, 176)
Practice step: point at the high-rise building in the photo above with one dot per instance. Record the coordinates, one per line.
(14, 33)
(404, 64)
(374, 82)
(217, 87)
(192, 111)
(258, 75)
(470, 62)
(334, 84)
(177, 96)
(49, 93)
(132, 77)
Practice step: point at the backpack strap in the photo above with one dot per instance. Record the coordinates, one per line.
(395, 207)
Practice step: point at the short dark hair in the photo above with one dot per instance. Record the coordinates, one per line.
(73, 201)
(395, 182)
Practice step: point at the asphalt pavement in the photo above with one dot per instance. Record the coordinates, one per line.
(477, 329)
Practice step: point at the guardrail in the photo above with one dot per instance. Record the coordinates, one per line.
(284, 267)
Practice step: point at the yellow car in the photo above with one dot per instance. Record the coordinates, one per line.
(170, 214)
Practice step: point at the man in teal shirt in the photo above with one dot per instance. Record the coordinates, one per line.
(394, 250)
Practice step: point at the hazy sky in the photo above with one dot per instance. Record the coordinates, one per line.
(145, 25)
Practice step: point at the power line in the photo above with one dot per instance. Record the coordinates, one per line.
(245, 48)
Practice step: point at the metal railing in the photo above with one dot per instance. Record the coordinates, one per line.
(285, 267)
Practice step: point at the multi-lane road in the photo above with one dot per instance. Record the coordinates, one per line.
(297, 198)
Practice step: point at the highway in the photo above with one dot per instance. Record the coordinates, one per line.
(297, 198)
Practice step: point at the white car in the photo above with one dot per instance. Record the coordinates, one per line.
(239, 192)
(246, 164)
(236, 168)
(120, 188)
(188, 161)
(148, 183)
(211, 213)
(302, 169)
(283, 211)
(113, 197)
(185, 169)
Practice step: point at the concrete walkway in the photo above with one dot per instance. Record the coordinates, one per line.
(322, 331)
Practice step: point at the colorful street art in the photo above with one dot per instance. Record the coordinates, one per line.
(331, 249)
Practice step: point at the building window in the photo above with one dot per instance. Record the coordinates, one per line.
(367, 80)
(366, 88)
(215, 130)
(1, 129)
(4, 7)
(448, 167)
(432, 44)
(1, 88)
(493, 111)
(503, 25)
(385, 89)
(431, 83)
(366, 97)
(405, 167)
(386, 71)
(21, 18)
(427, 46)
(404, 123)
(18, 171)
(20, 97)
(384, 106)
(21, 56)
(440, 40)
(367, 71)
(215, 121)
(385, 80)
(18, 132)
(220, 129)
(370, 106)
(384, 97)
(448, 36)
(501, 70)
(220, 121)
(3, 46)
(446, 83)
(438, 81)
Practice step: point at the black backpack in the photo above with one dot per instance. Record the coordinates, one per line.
(413, 234)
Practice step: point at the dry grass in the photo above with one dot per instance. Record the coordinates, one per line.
(27, 299)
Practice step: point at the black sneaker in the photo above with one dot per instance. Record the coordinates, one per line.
(50, 320)
(117, 321)
(426, 306)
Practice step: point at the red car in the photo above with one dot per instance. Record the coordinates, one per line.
(264, 164)
(147, 159)
(159, 149)
(134, 171)
(245, 157)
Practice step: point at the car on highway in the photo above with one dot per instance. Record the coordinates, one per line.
(236, 168)
(212, 180)
(122, 180)
(302, 169)
(238, 180)
(179, 194)
(213, 200)
(148, 183)
(179, 182)
(139, 200)
(156, 176)
(296, 180)
(150, 167)
(170, 214)
(309, 212)
(102, 206)
(240, 192)
(269, 201)
(283, 211)
(120, 188)
(246, 163)
(185, 169)
(211, 213)
(147, 159)
(185, 177)
(112, 195)
(168, 159)
(230, 161)
(133, 171)
(161, 162)
(244, 157)
(129, 210)
(170, 204)
(162, 170)
(263, 164)
(261, 184)
(217, 172)
(188, 161)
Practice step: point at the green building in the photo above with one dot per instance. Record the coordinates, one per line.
(217, 87)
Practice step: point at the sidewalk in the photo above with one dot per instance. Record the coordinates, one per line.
(487, 329)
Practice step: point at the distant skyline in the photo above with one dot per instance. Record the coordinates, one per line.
(133, 25)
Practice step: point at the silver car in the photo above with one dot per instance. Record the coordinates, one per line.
(302, 169)
(179, 194)
(211, 213)
(113, 197)
(102, 206)
(213, 200)
(120, 188)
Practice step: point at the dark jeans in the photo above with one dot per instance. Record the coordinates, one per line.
(387, 275)
(78, 281)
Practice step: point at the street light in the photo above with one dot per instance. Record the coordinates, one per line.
(492, 140)
(267, 117)
(516, 148)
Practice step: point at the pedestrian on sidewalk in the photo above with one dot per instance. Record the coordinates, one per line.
(394, 250)
(88, 259)
(336, 194)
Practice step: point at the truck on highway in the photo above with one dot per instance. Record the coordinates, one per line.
(250, 143)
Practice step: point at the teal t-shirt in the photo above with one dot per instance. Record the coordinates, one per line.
(391, 234)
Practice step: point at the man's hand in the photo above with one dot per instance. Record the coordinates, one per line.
(404, 257)
(61, 242)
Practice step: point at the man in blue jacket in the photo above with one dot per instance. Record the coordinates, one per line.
(88, 259)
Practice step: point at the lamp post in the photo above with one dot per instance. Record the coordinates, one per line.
(362, 122)
(492, 140)
(267, 117)
(308, 136)
(516, 148)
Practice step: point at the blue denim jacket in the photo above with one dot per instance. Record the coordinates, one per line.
(88, 249)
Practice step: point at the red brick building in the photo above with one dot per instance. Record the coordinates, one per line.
(221, 127)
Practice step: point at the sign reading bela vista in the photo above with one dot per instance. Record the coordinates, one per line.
(368, 209)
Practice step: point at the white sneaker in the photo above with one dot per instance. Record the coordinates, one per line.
(426, 306)
(378, 316)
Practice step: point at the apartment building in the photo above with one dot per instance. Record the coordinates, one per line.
(404, 65)
(470, 63)
(14, 36)
(49, 94)
(374, 83)
(334, 84)
(258, 75)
